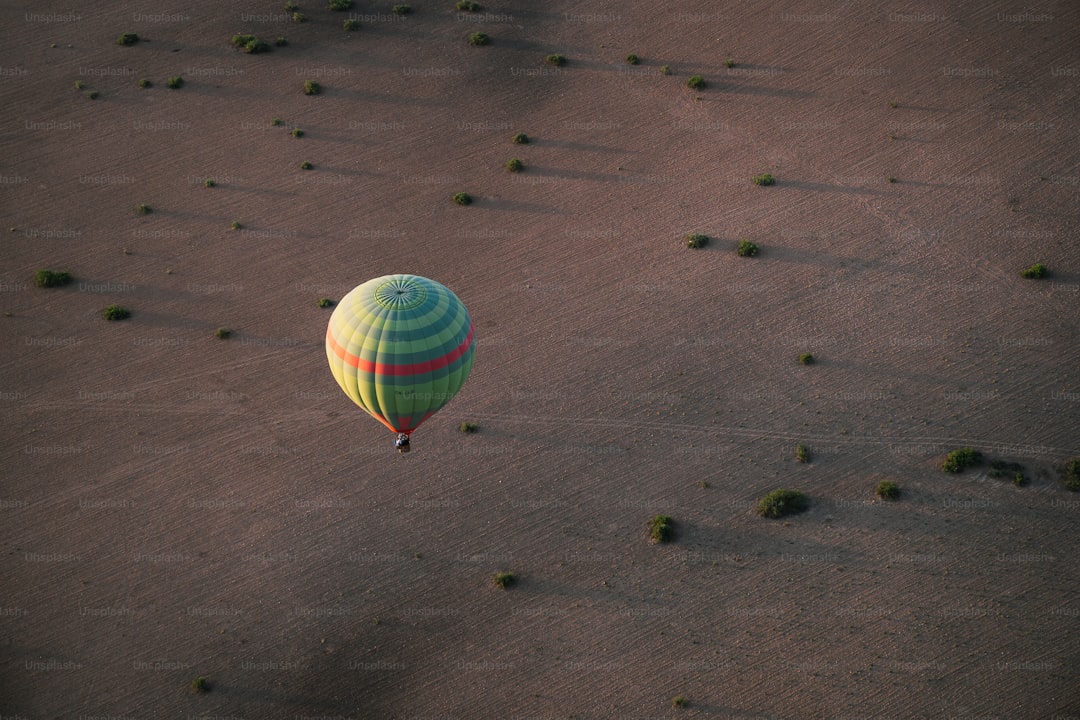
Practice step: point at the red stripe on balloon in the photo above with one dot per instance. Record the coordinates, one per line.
(399, 370)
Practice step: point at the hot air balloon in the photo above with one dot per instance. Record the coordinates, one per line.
(401, 346)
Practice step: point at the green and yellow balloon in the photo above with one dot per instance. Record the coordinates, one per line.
(401, 346)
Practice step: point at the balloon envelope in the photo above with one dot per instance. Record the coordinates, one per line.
(400, 346)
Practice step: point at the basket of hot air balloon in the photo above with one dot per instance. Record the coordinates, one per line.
(401, 347)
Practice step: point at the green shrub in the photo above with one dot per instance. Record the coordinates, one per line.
(1019, 479)
(632, 59)
(311, 87)
(467, 6)
(200, 685)
(764, 180)
(236, 225)
(696, 240)
(175, 82)
(463, 198)
(127, 39)
(887, 490)
(51, 278)
(503, 580)
(665, 69)
(806, 358)
(779, 503)
(802, 454)
(661, 528)
(746, 249)
(209, 182)
(222, 333)
(306, 165)
(890, 179)
(893, 104)
(729, 63)
(678, 701)
(115, 312)
(402, 9)
(957, 460)
(145, 83)
(1072, 474)
(143, 209)
(479, 38)
(281, 41)
(514, 165)
(325, 302)
(92, 94)
(291, 6)
(695, 82)
(1036, 271)
(296, 133)
(250, 44)
(299, 17)
(555, 59)
(79, 85)
(350, 24)
(340, 5)
(276, 122)
(521, 139)
(467, 427)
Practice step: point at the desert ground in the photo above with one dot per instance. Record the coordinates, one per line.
(175, 505)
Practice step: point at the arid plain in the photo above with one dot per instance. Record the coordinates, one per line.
(174, 505)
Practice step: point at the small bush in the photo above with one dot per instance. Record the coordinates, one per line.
(222, 333)
(729, 63)
(696, 240)
(555, 59)
(479, 38)
(887, 490)
(291, 6)
(174, 83)
(665, 69)
(1019, 479)
(92, 94)
(632, 59)
(678, 701)
(890, 179)
(250, 44)
(746, 249)
(1072, 474)
(200, 685)
(514, 165)
(311, 87)
(299, 17)
(467, 427)
(521, 139)
(893, 104)
(209, 182)
(143, 209)
(281, 41)
(145, 83)
(1036, 271)
(276, 122)
(802, 454)
(503, 580)
(695, 82)
(340, 5)
(764, 180)
(127, 39)
(236, 225)
(350, 24)
(779, 503)
(306, 165)
(806, 359)
(402, 9)
(463, 198)
(467, 6)
(661, 529)
(325, 302)
(297, 133)
(957, 460)
(79, 85)
(51, 278)
(115, 312)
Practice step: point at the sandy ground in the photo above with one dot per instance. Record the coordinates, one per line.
(174, 505)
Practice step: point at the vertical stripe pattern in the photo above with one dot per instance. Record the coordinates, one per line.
(400, 346)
